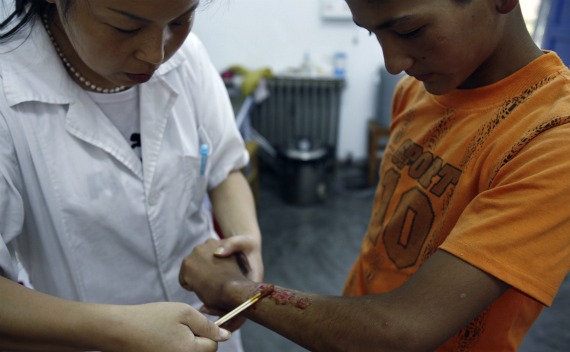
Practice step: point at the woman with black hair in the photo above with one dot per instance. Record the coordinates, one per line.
(114, 127)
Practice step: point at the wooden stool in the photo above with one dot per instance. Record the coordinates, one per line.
(377, 141)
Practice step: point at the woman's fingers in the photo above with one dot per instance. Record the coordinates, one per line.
(235, 244)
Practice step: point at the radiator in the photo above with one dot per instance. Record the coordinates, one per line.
(299, 108)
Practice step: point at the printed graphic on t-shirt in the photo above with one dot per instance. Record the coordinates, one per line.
(412, 219)
(406, 235)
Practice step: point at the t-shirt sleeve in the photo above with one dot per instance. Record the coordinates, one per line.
(518, 230)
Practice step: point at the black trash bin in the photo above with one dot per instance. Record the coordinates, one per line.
(303, 179)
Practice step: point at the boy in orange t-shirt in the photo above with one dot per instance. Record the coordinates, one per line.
(469, 234)
(480, 179)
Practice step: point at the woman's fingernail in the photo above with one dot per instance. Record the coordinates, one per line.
(219, 250)
(225, 334)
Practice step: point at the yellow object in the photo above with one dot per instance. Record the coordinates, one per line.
(250, 77)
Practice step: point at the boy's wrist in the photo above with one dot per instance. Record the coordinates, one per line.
(236, 292)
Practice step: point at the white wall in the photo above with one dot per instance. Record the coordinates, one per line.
(277, 33)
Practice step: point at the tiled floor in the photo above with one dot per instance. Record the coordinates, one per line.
(311, 248)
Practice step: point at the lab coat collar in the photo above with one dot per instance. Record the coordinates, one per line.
(32, 70)
(26, 78)
(158, 102)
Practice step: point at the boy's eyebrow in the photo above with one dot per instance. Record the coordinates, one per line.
(390, 23)
(144, 20)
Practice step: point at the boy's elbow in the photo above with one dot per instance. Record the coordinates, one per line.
(410, 336)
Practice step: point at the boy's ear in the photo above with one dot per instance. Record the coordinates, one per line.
(506, 6)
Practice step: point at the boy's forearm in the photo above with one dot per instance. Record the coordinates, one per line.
(419, 316)
(322, 323)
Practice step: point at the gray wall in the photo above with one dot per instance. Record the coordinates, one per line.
(277, 34)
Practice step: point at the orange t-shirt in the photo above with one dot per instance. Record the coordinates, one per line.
(484, 175)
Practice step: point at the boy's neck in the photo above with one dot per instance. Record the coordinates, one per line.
(515, 50)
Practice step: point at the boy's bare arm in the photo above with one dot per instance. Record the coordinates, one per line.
(441, 298)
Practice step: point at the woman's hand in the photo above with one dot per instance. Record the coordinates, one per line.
(247, 250)
(165, 326)
(214, 279)
(32, 320)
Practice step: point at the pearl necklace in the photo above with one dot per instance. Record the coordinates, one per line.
(72, 69)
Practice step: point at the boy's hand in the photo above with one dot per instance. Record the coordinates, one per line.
(209, 275)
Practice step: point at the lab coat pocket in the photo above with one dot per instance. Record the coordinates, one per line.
(199, 170)
(197, 180)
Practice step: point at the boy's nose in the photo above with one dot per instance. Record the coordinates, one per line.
(396, 59)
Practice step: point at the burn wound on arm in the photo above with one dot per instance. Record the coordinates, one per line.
(284, 297)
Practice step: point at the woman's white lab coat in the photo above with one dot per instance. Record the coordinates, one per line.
(89, 220)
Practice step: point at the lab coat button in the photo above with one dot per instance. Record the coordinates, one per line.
(153, 198)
